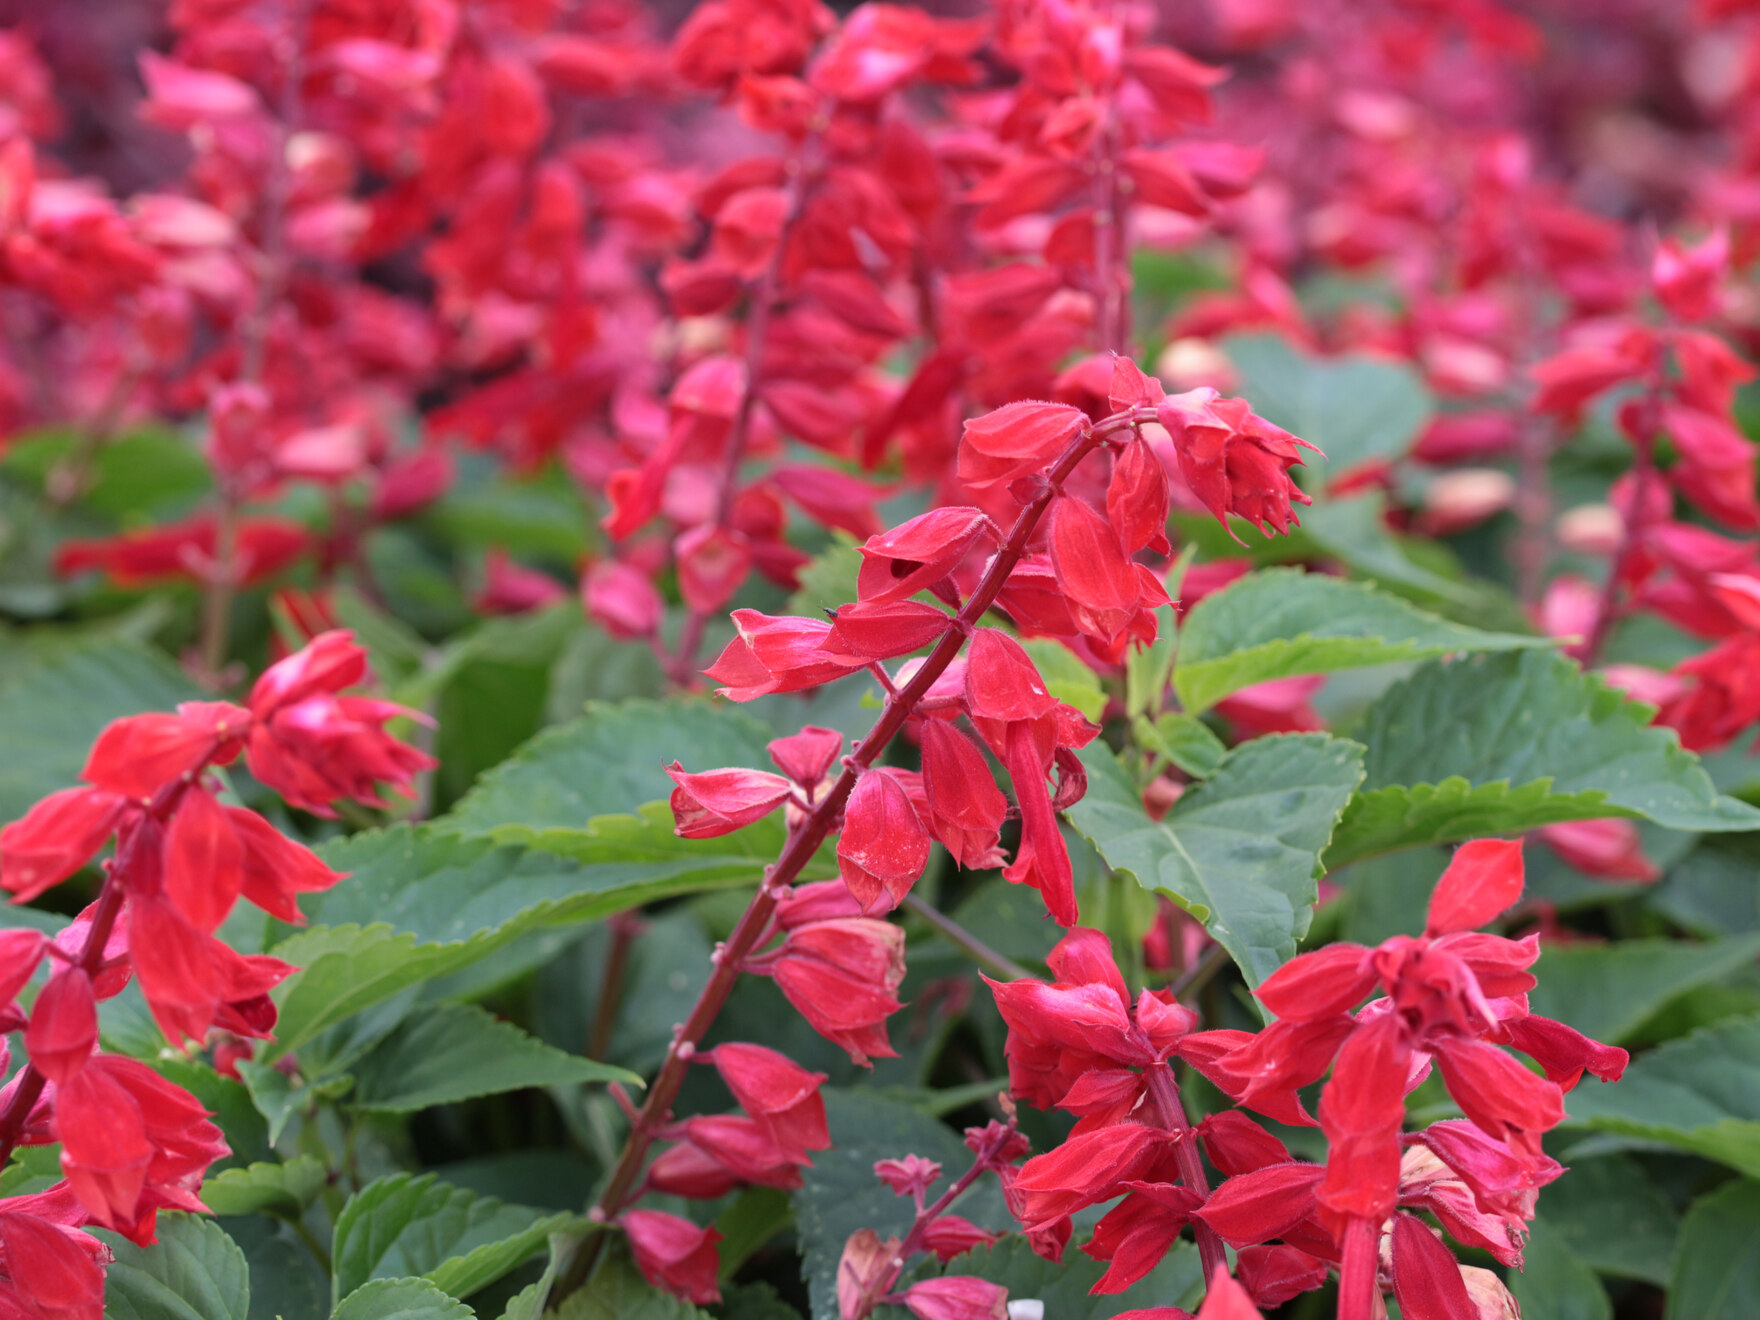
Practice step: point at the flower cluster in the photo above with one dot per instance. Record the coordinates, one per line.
(133, 1143)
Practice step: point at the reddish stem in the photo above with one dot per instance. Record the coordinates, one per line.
(1358, 1275)
(1165, 1092)
(913, 1240)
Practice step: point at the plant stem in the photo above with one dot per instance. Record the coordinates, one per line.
(1165, 1092)
(804, 840)
(981, 953)
(1112, 316)
(913, 1240)
(1607, 611)
(1358, 1273)
(624, 927)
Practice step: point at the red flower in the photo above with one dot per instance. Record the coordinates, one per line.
(781, 1096)
(884, 845)
(50, 1269)
(916, 555)
(957, 1297)
(674, 1254)
(621, 600)
(776, 655)
(717, 802)
(840, 972)
(966, 809)
(55, 838)
(1234, 460)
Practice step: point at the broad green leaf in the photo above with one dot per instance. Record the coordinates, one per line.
(287, 1281)
(611, 760)
(542, 518)
(1177, 1281)
(1717, 1260)
(1700, 1093)
(1066, 677)
(617, 1292)
(270, 1187)
(50, 715)
(1712, 890)
(751, 1219)
(450, 1052)
(1554, 1283)
(1606, 991)
(278, 1097)
(400, 1299)
(1495, 744)
(193, 1272)
(1615, 1220)
(458, 1241)
(1181, 740)
(1240, 851)
(1355, 408)
(1283, 622)
(1147, 669)
(840, 1194)
(425, 903)
(149, 474)
(31, 1169)
(754, 1301)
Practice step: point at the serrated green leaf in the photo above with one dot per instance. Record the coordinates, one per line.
(400, 1299)
(611, 760)
(451, 1052)
(1554, 1283)
(1711, 891)
(1241, 850)
(618, 1292)
(1063, 1288)
(50, 715)
(287, 1281)
(1616, 1221)
(1717, 1261)
(1066, 677)
(458, 1241)
(840, 1194)
(1181, 740)
(454, 901)
(829, 580)
(1700, 1093)
(271, 1187)
(1495, 744)
(1354, 407)
(193, 1272)
(1606, 991)
(1282, 622)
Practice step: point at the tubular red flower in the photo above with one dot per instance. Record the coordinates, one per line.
(884, 845)
(674, 1254)
(716, 802)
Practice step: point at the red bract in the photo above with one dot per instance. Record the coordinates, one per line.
(1015, 441)
(1234, 461)
(674, 1253)
(780, 1095)
(916, 555)
(776, 655)
(840, 974)
(717, 802)
(884, 846)
(957, 1297)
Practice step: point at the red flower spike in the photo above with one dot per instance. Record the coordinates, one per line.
(204, 861)
(674, 1254)
(779, 1094)
(1274, 1275)
(950, 1235)
(910, 1176)
(55, 838)
(1483, 879)
(917, 554)
(806, 756)
(1002, 683)
(1015, 441)
(717, 802)
(957, 1297)
(63, 1029)
(1426, 1276)
(1137, 499)
(1328, 981)
(878, 631)
(884, 846)
(1092, 571)
(966, 809)
(51, 1271)
(1255, 1207)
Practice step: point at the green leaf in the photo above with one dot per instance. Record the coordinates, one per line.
(611, 760)
(1283, 622)
(1606, 991)
(52, 713)
(458, 1241)
(1700, 1093)
(1554, 1283)
(1495, 744)
(451, 1052)
(1355, 407)
(1177, 1281)
(753, 1217)
(618, 1292)
(283, 1189)
(1613, 1218)
(1717, 1261)
(147, 475)
(1711, 891)
(1066, 677)
(1240, 851)
(829, 580)
(454, 901)
(840, 1194)
(401, 1299)
(287, 1282)
(1147, 669)
(193, 1272)
(1182, 740)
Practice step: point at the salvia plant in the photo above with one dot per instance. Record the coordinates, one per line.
(1018, 660)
